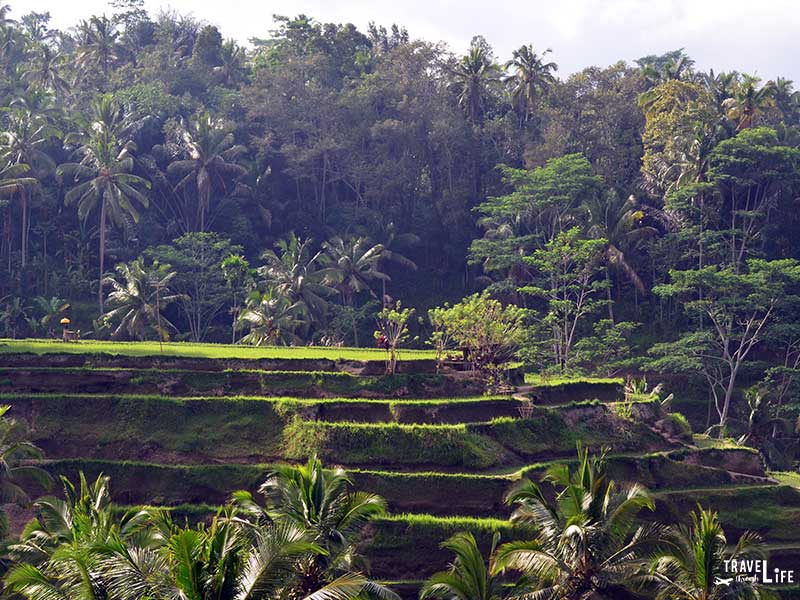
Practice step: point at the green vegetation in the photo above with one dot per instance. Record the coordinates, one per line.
(195, 350)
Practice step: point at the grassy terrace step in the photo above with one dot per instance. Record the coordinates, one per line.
(195, 350)
(773, 511)
(428, 492)
(231, 382)
(176, 430)
(551, 391)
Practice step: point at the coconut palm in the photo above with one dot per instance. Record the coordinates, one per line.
(469, 576)
(321, 502)
(295, 271)
(60, 552)
(51, 310)
(619, 222)
(16, 453)
(209, 165)
(45, 70)
(694, 561)
(13, 314)
(98, 45)
(749, 102)
(138, 295)
(471, 79)
(352, 264)
(103, 176)
(233, 57)
(271, 318)
(588, 542)
(15, 182)
(22, 144)
(530, 79)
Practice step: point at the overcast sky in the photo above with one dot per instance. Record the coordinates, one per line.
(761, 37)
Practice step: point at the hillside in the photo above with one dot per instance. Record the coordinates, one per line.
(184, 433)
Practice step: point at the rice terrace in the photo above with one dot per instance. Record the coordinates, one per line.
(307, 300)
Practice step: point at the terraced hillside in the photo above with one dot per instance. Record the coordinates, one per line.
(184, 431)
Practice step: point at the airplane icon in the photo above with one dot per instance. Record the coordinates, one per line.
(721, 581)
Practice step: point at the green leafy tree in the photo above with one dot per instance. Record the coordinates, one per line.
(738, 306)
(22, 145)
(749, 102)
(569, 267)
(488, 332)
(543, 202)
(240, 279)
(51, 310)
(393, 331)
(199, 282)
(98, 47)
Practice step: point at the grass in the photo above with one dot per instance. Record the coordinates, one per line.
(196, 350)
(786, 478)
(548, 380)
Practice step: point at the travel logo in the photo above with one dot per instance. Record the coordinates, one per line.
(754, 571)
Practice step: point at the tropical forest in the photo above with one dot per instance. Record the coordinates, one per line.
(343, 313)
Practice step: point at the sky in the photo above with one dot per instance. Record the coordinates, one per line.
(761, 38)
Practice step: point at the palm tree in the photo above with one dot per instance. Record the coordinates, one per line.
(469, 577)
(295, 272)
(786, 98)
(13, 314)
(321, 502)
(60, 553)
(16, 453)
(51, 310)
(103, 176)
(694, 560)
(532, 77)
(749, 102)
(619, 222)
(471, 78)
(22, 144)
(352, 264)
(588, 541)
(210, 166)
(138, 295)
(45, 70)
(15, 182)
(233, 57)
(393, 242)
(272, 318)
(98, 45)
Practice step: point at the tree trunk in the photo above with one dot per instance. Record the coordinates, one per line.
(103, 216)
(25, 227)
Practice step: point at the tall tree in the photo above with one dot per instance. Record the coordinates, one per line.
(207, 163)
(530, 80)
(103, 176)
(23, 143)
